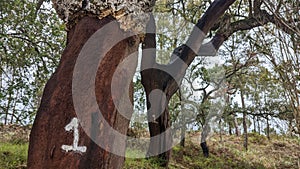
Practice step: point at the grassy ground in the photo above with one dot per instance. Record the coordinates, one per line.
(13, 155)
(279, 153)
(228, 153)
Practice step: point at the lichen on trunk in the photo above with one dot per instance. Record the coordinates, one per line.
(131, 14)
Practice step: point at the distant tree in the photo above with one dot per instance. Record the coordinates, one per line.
(30, 49)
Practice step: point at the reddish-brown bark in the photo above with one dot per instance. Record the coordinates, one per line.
(56, 110)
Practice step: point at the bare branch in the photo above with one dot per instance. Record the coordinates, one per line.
(261, 18)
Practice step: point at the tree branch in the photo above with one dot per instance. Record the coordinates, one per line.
(259, 19)
(191, 49)
(149, 56)
(211, 16)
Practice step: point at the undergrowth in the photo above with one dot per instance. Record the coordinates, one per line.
(227, 153)
(13, 156)
(278, 153)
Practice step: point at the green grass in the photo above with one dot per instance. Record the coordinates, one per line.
(141, 163)
(279, 153)
(13, 156)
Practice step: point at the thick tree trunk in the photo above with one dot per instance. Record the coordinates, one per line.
(158, 113)
(57, 110)
(158, 117)
(157, 147)
(155, 78)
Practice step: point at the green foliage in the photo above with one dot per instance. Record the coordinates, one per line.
(139, 116)
(174, 21)
(30, 50)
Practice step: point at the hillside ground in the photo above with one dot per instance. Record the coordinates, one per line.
(225, 153)
(228, 153)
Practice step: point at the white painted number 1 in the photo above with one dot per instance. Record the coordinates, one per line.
(73, 125)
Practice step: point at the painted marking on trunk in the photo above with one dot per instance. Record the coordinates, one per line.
(73, 125)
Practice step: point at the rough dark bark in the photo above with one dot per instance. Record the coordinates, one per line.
(152, 79)
(205, 149)
(56, 109)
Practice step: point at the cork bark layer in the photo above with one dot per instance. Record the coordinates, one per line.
(57, 109)
(131, 14)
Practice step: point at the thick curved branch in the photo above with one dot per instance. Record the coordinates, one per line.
(261, 18)
(191, 48)
(149, 56)
(207, 21)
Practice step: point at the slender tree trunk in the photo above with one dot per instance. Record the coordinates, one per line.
(230, 128)
(183, 119)
(268, 128)
(182, 135)
(1, 80)
(254, 124)
(258, 125)
(57, 112)
(244, 121)
(7, 108)
(204, 134)
(221, 130)
(236, 126)
(13, 114)
(297, 117)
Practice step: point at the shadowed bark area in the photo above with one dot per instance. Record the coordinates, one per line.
(57, 110)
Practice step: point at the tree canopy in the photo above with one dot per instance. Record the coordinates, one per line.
(31, 44)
